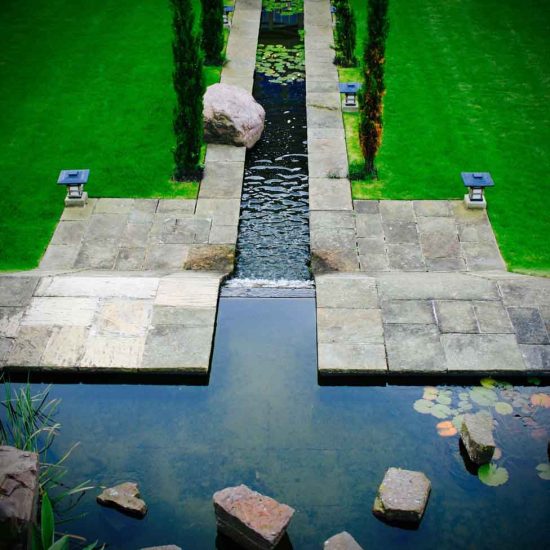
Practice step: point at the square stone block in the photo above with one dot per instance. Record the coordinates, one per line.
(166, 256)
(349, 326)
(192, 292)
(320, 219)
(59, 257)
(408, 312)
(336, 359)
(329, 194)
(374, 262)
(136, 235)
(118, 317)
(432, 208)
(369, 226)
(529, 325)
(211, 257)
(405, 257)
(397, 232)
(16, 291)
(60, 311)
(113, 353)
(29, 346)
(366, 207)
(397, 211)
(65, 347)
(130, 259)
(440, 245)
(492, 317)
(69, 233)
(96, 254)
(482, 256)
(346, 292)
(105, 228)
(536, 358)
(456, 316)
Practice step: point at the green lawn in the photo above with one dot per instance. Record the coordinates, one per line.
(82, 85)
(468, 89)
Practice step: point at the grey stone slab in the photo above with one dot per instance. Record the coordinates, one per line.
(184, 231)
(319, 219)
(324, 99)
(6, 344)
(414, 349)
(436, 286)
(349, 326)
(69, 233)
(476, 433)
(456, 316)
(440, 245)
(130, 259)
(529, 325)
(16, 291)
(105, 228)
(329, 194)
(143, 212)
(405, 257)
(467, 216)
(222, 180)
(136, 235)
(327, 158)
(119, 317)
(482, 353)
(244, 82)
(341, 541)
(178, 348)
(374, 262)
(438, 225)
(340, 359)
(545, 314)
(536, 358)
(318, 117)
(176, 205)
(482, 256)
(476, 233)
(184, 316)
(408, 312)
(331, 260)
(113, 206)
(527, 291)
(445, 264)
(492, 317)
(29, 346)
(224, 153)
(221, 211)
(333, 238)
(369, 226)
(397, 232)
(334, 291)
(10, 318)
(397, 211)
(59, 256)
(112, 353)
(60, 311)
(432, 208)
(211, 257)
(223, 234)
(96, 254)
(371, 246)
(166, 256)
(366, 207)
(83, 213)
(326, 133)
(321, 86)
(65, 347)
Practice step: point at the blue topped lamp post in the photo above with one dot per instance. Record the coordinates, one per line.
(349, 89)
(476, 182)
(226, 11)
(74, 181)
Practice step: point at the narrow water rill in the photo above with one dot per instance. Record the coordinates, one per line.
(273, 242)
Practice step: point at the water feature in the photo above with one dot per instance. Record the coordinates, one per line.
(273, 241)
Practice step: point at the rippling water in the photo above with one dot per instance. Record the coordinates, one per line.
(273, 239)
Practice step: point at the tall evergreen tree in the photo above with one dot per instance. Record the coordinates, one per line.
(189, 86)
(345, 34)
(373, 90)
(212, 31)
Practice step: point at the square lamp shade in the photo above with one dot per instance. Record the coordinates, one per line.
(74, 180)
(350, 90)
(476, 183)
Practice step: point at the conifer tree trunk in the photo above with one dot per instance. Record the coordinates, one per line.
(189, 86)
(212, 31)
(372, 93)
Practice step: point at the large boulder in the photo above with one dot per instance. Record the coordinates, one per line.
(18, 496)
(232, 116)
(341, 541)
(476, 433)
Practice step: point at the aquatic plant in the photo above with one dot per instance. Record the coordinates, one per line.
(345, 34)
(372, 92)
(212, 31)
(189, 86)
(281, 64)
(285, 7)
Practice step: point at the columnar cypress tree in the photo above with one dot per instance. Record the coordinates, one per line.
(373, 90)
(189, 86)
(345, 33)
(212, 31)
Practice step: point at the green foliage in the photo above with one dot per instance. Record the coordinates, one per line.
(189, 86)
(281, 64)
(286, 7)
(345, 34)
(212, 31)
(372, 92)
(492, 475)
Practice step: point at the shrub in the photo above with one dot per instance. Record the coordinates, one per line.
(345, 32)
(212, 31)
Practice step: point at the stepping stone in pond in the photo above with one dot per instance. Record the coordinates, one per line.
(402, 496)
(341, 541)
(476, 434)
(165, 547)
(125, 498)
(252, 520)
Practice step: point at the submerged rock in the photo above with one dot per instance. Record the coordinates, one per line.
(165, 547)
(18, 496)
(402, 496)
(476, 433)
(341, 541)
(252, 520)
(124, 497)
(232, 116)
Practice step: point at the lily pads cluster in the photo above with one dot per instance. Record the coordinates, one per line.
(281, 64)
(494, 397)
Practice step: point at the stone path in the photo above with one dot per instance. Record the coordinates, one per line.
(133, 284)
(406, 287)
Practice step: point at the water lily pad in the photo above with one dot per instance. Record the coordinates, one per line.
(444, 399)
(464, 406)
(423, 406)
(488, 383)
(544, 471)
(483, 396)
(503, 408)
(446, 429)
(541, 399)
(457, 421)
(440, 411)
(464, 396)
(534, 380)
(493, 475)
(430, 393)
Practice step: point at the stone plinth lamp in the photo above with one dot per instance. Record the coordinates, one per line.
(74, 180)
(349, 89)
(226, 11)
(476, 183)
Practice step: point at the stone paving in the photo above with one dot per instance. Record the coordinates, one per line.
(406, 287)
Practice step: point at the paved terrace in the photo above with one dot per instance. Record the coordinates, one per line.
(406, 287)
(130, 285)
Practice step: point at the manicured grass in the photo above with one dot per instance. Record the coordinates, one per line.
(468, 89)
(82, 85)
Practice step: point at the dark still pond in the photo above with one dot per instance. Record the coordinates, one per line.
(264, 420)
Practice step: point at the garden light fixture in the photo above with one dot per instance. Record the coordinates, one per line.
(226, 11)
(476, 183)
(349, 89)
(74, 180)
